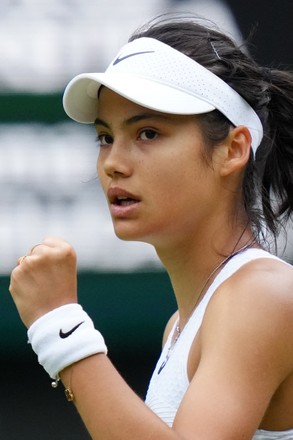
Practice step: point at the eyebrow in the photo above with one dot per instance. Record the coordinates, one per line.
(135, 118)
(99, 121)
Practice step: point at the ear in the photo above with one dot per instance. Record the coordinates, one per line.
(237, 147)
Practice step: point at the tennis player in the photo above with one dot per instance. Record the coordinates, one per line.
(195, 157)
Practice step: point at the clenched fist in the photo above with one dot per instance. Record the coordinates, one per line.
(44, 279)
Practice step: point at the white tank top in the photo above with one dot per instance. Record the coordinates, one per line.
(167, 389)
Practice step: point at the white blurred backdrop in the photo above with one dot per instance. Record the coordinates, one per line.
(47, 171)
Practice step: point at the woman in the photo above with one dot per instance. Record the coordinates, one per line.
(196, 159)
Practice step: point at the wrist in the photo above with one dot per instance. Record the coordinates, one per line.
(64, 336)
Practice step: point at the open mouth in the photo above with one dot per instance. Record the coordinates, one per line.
(120, 197)
(124, 201)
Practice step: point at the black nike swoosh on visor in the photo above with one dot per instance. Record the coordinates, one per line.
(119, 59)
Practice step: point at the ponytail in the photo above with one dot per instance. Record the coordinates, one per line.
(276, 153)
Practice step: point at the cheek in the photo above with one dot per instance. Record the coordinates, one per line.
(185, 184)
(100, 172)
(100, 165)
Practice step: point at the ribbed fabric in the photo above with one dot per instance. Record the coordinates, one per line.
(273, 435)
(167, 389)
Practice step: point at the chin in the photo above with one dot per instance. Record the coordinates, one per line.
(128, 233)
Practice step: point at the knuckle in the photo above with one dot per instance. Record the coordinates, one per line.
(67, 251)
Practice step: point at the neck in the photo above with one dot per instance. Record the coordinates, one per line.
(193, 266)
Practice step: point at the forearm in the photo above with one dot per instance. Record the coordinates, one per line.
(108, 407)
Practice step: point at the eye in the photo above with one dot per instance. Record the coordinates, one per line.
(104, 139)
(148, 134)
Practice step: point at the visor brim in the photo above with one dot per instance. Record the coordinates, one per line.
(80, 98)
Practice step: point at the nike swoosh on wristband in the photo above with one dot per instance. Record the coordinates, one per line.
(119, 59)
(64, 335)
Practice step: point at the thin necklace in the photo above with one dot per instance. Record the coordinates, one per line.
(177, 328)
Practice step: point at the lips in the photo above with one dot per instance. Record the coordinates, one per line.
(119, 196)
(121, 202)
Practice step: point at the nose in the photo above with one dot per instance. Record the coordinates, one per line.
(115, 160)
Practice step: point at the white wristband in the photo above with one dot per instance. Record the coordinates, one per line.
(64, 336)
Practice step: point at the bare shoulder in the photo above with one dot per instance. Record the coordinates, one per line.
(169, 326)
(266, 280)
(254, 309)
(263, 280)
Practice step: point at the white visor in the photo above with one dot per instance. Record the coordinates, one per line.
(156, 76)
